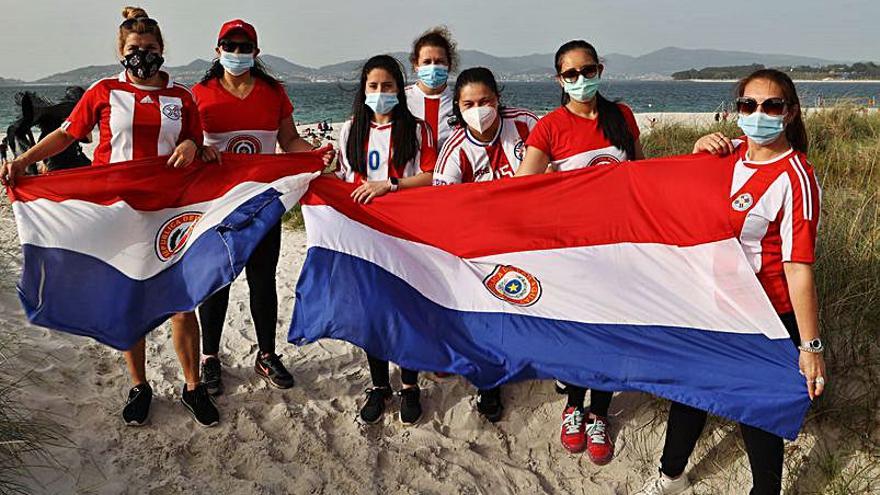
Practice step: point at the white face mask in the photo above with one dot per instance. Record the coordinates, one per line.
(480, 118)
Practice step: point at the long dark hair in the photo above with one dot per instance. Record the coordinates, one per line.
(259, 70)
(404, 141)
(611, 121)
(795, 131)
(474, 75)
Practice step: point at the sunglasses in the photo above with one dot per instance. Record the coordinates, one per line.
(770, 106)
(588, 71)
(146, 21)
(239, 46)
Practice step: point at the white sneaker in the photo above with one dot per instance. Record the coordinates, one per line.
(659, 484)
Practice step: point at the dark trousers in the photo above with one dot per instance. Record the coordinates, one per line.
(380, 376)
(260, 272)
(765, 450)
(600, 400)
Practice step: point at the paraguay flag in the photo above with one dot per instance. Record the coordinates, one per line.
(624, 277)
(111, 252)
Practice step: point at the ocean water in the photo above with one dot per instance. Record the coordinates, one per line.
(314, 102)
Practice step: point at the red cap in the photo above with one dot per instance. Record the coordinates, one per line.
(237, 25)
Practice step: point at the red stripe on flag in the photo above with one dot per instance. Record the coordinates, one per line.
(682, 201)
(150, 185)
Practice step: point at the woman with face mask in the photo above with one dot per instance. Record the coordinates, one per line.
(140, 113)
(243, 109)
(488, 145)
(384, 149)
(774, 208)
(587, 130)
(433, 57)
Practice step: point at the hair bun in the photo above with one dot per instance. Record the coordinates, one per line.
(133, 13)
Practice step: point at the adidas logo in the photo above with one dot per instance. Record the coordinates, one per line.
(146, 99)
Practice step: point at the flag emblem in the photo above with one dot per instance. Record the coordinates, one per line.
(742, 202)
(513, 285)
(174, 233)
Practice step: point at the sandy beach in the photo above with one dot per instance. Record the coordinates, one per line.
(306, 440)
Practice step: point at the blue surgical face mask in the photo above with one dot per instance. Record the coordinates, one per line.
(236, 63)
(583, 89)
(760, 127)
(433, 76)
(381, 103)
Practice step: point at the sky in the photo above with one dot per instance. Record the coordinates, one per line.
(43, 37)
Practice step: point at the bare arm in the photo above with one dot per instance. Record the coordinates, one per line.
(640, 151)
(368, 190)
(56, 142)
(802, 290)
(289, 138)
(535, 162)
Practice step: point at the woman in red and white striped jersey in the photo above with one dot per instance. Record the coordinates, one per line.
(433, 57)
(384, 148)
(140, 113)
(774, 208)
(488, 145)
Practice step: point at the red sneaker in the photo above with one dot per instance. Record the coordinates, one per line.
(572, 436)
(599, 445)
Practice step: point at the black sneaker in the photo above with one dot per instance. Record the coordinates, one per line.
(200, 405)
(211, 376)
(137, 409)
(374, 407)
(489, 404)
(410, 407)
(269, 367)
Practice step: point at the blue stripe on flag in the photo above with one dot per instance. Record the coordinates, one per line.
(745, 377)
(86, 296)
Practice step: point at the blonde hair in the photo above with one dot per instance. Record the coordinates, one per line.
(139, 26)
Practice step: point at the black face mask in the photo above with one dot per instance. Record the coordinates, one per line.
(142, 63)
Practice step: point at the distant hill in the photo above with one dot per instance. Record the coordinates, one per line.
(836, 72)
(659, 64)
(10, 82)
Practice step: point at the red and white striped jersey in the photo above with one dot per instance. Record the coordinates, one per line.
(242, 125)
(775, 211)
(379, 153)
(466, 159)
(134, 121)
(573, 142)
(436, 110)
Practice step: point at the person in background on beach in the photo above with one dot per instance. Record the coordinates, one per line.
(775, 210)
(587, 130)
(384, 148)
(139, 99)
(3, 148)
(433, 57)
(488, 144)
(243, 109)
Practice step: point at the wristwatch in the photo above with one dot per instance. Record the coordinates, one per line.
(814, 346)
(395, 183)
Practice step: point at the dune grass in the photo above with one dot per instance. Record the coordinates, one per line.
(843, 425)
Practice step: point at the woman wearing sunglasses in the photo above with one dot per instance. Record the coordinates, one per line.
(246, 110)
(488, 145)
(775, 210)
(433, 57)
(140, 113)
(587, 130)
(384, 148)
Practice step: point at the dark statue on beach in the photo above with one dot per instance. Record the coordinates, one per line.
(42, 112)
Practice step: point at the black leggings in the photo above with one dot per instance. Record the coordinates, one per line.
(379, 373)
(260, 271)
(765, 450)
(600, 400)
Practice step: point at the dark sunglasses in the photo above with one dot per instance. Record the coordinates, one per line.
(588, 71)
(770, 106)
(146, 21)
(239, 46)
